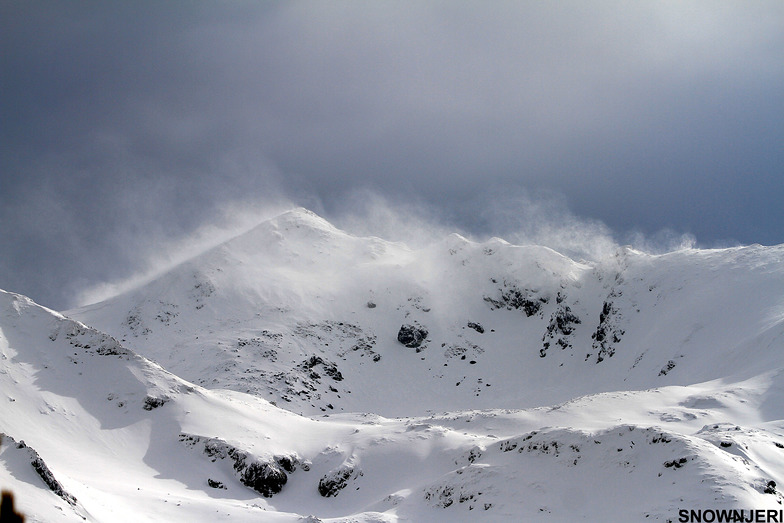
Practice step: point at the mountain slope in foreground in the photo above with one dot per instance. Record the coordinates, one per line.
(543, 389)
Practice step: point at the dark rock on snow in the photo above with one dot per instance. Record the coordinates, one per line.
(477, 327)
(42, 470)
(411, 336)
(335, 481)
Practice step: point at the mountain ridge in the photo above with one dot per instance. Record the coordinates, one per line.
(302, 294)
(300, 373)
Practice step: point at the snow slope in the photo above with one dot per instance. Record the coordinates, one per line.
(280, 311)
(545, 389)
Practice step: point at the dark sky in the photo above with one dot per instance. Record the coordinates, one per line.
(128, 126)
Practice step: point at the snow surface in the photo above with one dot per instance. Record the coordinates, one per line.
(545, 389)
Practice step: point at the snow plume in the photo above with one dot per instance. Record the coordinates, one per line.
(666, 240)
(544, 218)
(413, 222)
(517, 216)
(513, 215)
(69, 229)
(161, 252)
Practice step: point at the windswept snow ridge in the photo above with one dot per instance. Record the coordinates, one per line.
(505, 383)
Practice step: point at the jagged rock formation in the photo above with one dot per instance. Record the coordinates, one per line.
(412, 336)
(336, 480)
(40, 468)
(267, 477)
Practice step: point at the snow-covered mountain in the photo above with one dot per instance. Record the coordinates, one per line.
(305, 315)
(460, 382)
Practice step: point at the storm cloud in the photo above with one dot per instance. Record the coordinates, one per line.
(128, 126)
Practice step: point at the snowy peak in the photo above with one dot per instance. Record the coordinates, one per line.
(295, 225)
(650, 378)
(301, 218)
(303, 314)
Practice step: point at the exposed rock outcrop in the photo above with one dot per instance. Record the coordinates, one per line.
(412, 336)
(335, 481)
(267, 477)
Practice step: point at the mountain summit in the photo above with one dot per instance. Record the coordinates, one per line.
(507, 326)
(297, 369)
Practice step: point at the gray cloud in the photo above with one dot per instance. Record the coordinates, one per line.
(127, 125)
